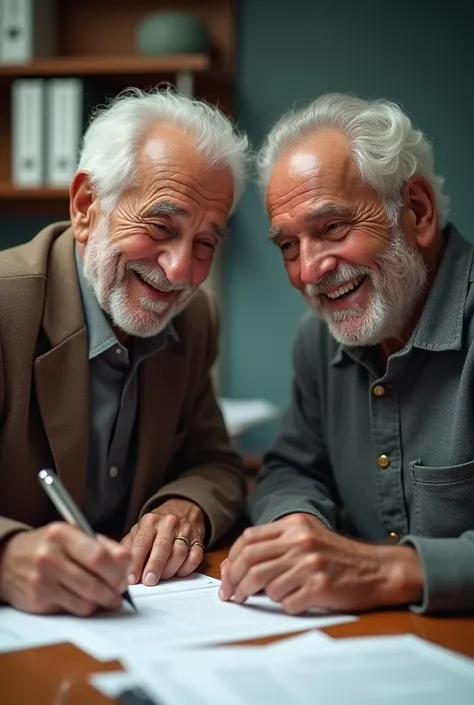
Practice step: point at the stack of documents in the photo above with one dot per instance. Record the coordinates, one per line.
(177, 613)
(312, 669)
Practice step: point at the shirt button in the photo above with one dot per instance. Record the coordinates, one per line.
(113, 471)
(118, 351)
(383, 461)
(393, 537)
(379, 390)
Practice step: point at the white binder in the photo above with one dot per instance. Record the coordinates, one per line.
(28, 132)
(64, 129)
(27, 30)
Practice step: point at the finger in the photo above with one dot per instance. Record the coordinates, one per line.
(142, 544)
(54, 598)
(307, 596)
(284, 584)
(224, 567)
(89, 587)
(253, 555)
(192, 562)
(257, 579)
(253, 534)
(163, 567)
(160, 549)
(103, 558)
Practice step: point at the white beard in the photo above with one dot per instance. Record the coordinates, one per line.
(396, 287)
(109, 278)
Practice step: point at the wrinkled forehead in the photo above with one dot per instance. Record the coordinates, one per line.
(318, 167)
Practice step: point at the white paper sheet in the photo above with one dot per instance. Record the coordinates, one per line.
(166, 620)
(399, 670)
(19, 630)
(242, 414)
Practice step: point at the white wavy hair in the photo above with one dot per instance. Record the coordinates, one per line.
(385, 146)
(109, 146)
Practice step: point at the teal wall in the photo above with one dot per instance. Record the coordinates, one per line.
(419, 53)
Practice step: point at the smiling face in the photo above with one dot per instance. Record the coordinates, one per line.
(151, 254)
(363, 277)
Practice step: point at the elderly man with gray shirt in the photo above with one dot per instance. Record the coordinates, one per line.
(367, 498)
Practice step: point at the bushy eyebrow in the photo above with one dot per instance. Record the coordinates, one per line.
(168, 208)
(325, 211)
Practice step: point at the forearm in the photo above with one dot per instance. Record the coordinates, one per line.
(447, 566)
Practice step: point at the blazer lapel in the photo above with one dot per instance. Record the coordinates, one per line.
(62, 373)
(161, 382)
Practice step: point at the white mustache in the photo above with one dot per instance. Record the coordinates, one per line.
(155, 276)
(340, 276)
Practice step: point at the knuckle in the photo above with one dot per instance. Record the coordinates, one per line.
(255, 575)
(172, 521)
(314, 562)
(98, 556)
(149, 519)
(248, 534)
(319, 583)
(42, 559)
(305, 541)
(165, 544)
(55, 532)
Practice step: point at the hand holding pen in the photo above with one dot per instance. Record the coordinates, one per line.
(59, 568)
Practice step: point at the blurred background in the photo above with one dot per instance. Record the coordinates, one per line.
(257, 58)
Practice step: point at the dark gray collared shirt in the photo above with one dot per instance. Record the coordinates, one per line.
(389, 455)
(114, 403)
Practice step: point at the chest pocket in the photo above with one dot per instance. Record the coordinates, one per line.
(443, 499)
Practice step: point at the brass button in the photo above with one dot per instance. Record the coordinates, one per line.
(393, 537)
(383, 461)
(379, 390)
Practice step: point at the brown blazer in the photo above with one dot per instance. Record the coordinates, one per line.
(183, 447)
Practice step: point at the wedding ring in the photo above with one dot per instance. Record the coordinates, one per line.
(182, 538)
(198, 543)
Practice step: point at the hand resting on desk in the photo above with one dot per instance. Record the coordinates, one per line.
(58, 568)
(299, 562)
(166, 542)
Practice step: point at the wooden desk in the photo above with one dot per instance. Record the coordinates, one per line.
(57, 675)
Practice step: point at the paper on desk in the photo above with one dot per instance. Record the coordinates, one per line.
(112, 683)
(19, 630)
(13, 636)
(398, 670)
(170, 620)
(242, 414)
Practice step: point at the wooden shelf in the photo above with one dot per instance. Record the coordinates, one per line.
(108, 66)
(10, 192)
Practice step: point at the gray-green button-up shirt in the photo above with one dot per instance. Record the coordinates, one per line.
(114, 402)
(389, 456)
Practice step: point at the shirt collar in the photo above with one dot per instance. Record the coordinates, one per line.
(441, 323)
(100, 335)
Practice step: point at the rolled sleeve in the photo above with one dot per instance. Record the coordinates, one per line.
(448, 572)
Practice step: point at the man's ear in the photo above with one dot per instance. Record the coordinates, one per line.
(420, 216)
(82, 206)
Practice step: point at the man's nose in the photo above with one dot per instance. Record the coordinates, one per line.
(315, 264)
(177, 263)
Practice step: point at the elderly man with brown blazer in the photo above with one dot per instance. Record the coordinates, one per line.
(106, 348)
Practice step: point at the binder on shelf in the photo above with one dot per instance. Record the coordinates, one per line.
(65, 123)
(28, 132)
(27, 30)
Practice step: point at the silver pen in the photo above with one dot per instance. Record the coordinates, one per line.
(68, 509)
